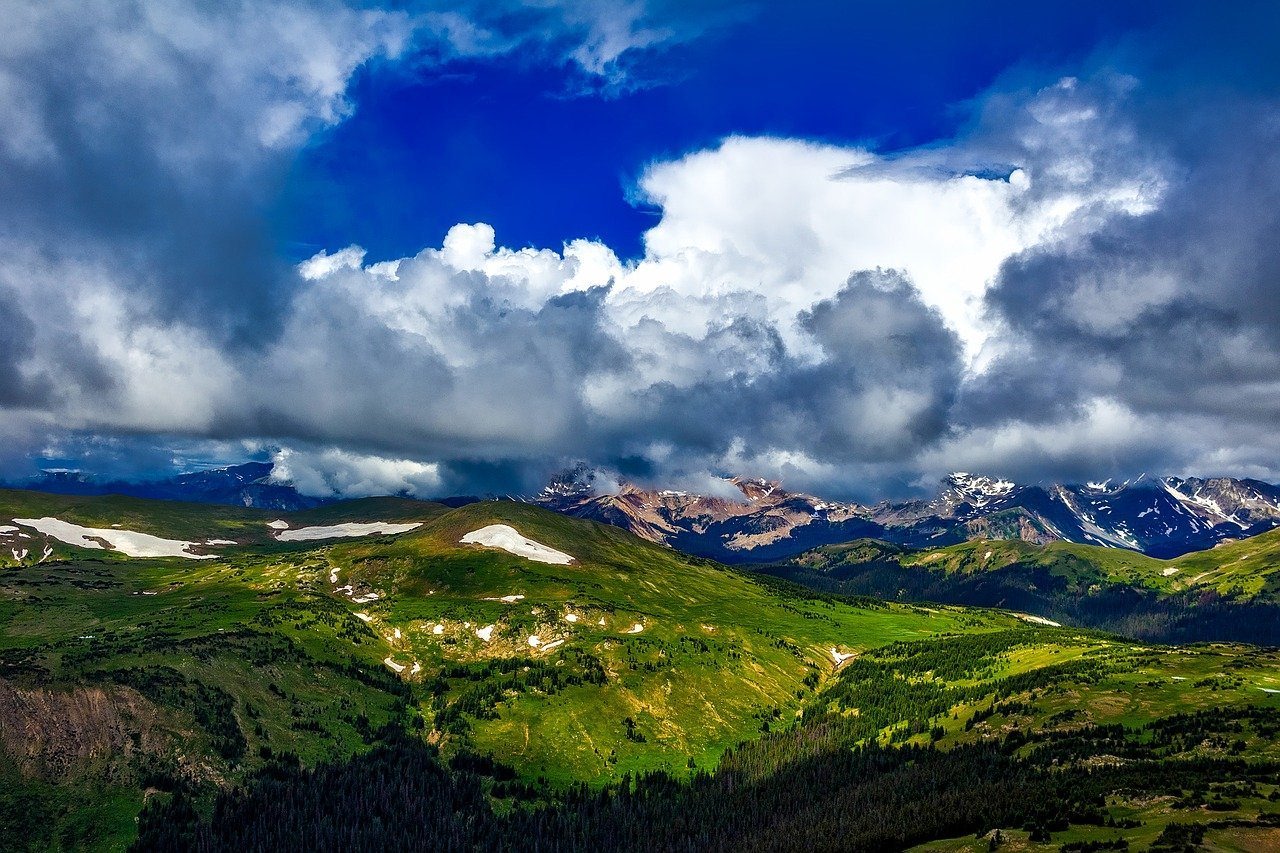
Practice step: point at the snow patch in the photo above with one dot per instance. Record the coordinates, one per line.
(398, 667)
(278, 524)
(364, 617)
(485, 633)
(838, 656)
(1208, 504)
(509, 539)
(549, 646)
(635, 629)
(535, 640)
(346, 530)
(1169, 572)
(1269, 690)
(1038, 620)
(506, 599)
(5, 528)
(127, 542)
(571, 617)
(221, 542)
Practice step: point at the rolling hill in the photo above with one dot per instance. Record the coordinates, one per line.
(1230, 592)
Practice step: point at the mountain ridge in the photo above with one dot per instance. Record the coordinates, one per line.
(753, 519)
(1160, 517)
(248, 484)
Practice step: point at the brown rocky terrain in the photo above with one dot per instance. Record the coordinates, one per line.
(59, 733)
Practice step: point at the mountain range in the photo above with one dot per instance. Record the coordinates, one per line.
(248, 485)
(761, 521)
(756, 520)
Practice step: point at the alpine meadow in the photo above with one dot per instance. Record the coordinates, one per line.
(627, 425)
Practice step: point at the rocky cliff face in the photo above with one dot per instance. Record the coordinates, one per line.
(61, 734)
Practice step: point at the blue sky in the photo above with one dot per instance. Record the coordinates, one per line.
(436, 248)
(531, 146)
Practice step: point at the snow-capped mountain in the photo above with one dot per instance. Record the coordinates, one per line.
(753, 520)
(1162, 517)
(759, 520)
(756, 520)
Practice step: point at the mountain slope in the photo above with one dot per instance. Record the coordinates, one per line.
(755, 517)
(652, 634)
(1230, 592)
(1026, 739)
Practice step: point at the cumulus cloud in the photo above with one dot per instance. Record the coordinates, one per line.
(143, 145)
(336, 472)
(819, 320)
(1084, 282)
(151, 135)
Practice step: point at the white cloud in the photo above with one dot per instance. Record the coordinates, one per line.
(790, 220)
(323, 264)
(269, 68)
(1094, 438)
(336, 472)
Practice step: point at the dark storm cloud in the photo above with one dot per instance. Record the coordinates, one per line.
(878, 388)
(1173, 313)
(488, 372)
(16, 329)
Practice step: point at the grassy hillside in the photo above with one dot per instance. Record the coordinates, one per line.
(1018, 739)
(716, 658)
(282, 648)
(1231, 592)
(1246, 568)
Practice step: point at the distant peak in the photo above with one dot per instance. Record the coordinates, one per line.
(756, 487)
(979, 484)
(580, 480)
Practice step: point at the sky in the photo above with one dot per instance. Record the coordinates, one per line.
(452, 248)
